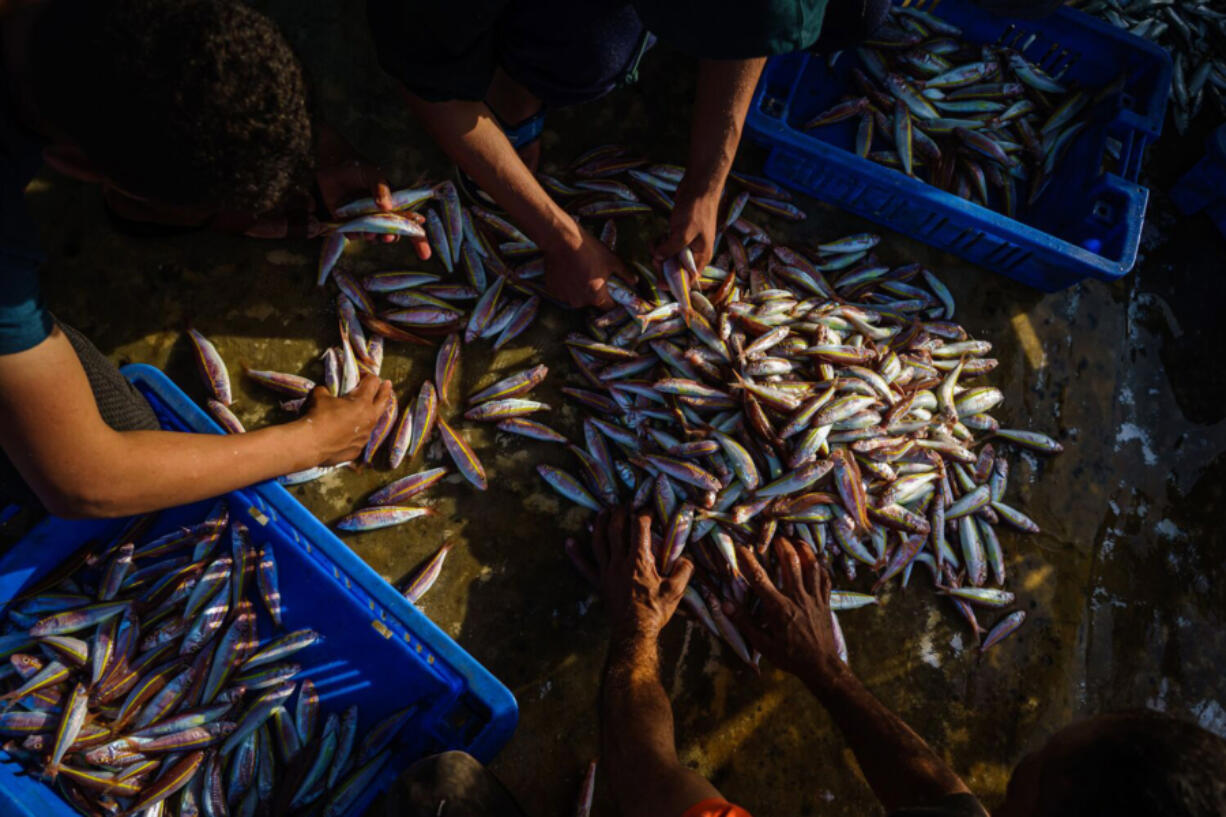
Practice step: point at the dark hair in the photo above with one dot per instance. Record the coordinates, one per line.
(192, 102)
(1138, 763)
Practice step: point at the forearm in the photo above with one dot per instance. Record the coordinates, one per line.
(725, 88)
(632, 694)
(140, 471)
(469, 134)
(53, 433)
(638, 750)
(330, 146)
(899, 765)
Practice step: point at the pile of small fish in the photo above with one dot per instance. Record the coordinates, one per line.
(1193, 31)
(421, 303)
(757, 397)
(978, 121)
(136, 682)
(751, 397)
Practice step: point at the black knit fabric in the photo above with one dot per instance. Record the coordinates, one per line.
(120, 404)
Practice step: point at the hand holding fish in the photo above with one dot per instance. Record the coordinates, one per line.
(343, 176)
(578, 266)
(640, 601)
(340, 426)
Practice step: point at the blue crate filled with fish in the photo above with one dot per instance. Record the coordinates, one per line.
(230, 656)
(1016, 144)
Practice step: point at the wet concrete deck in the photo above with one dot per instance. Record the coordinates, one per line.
(1125, 587)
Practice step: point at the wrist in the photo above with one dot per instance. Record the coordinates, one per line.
(633, 652)
(702, 185)
(561, 233)
(301, 441)
(633, 634)
(828, 675)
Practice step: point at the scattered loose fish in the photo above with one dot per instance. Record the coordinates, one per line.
(212, 368)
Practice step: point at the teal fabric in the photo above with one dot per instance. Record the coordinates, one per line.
(734, 29)
(24, 320)
(568, 52)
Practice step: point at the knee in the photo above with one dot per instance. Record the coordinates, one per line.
(445, 771)
(456, 761)
(447, 777)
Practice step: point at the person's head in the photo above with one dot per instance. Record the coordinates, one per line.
(197, 103)
(1128, 764)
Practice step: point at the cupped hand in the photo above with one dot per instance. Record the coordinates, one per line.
(350, 177)
(340, 426)
(343, 176)
(639, 600)
(793, 626)
(355, 178)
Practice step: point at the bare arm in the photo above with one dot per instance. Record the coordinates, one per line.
(793, 629)
(638, 748)
(576, 263)
(79, 466)
(901, 767)
(725, 88)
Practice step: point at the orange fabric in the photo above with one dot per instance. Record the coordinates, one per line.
(715, 807)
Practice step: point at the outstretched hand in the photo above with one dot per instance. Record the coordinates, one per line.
(640, 601)
(793, 626)
(340, 427)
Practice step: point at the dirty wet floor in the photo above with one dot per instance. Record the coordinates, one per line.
(1125, 587)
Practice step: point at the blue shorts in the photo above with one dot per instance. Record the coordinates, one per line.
(563, 51)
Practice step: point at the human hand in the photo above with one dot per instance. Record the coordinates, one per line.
(694, 224)
(340, 426)
(343, 176)
(576, 269)
(640, 601)
(346, 178)
(354, 179)
(295, 219)
(280, 225)
(793, 627)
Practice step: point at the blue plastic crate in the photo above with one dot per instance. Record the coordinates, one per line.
(1204, 186)
(379, 651)
(1086, 224)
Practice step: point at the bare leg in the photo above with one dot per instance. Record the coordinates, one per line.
(513, 103)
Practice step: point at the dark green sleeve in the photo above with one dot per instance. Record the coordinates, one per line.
(734, 29)
(440, 49)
